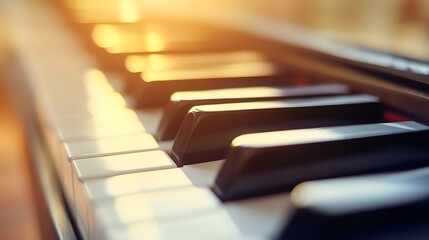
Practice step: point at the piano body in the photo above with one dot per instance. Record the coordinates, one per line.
(225, 120)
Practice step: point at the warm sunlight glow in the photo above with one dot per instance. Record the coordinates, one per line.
(135, 63)
(354, 194)
(128, 11)
(158, 62)
(129, 38)
(145, 160)
(233, 93)
(145, 181)
(122, 115)
(123, 143)
(96, 82)
(106, 36)
(258, 92)
(236, 70)
(155, 41)
(284, 137)
(240, 106)
(303, 136)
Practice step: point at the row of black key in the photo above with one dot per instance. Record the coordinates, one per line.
(282, 159)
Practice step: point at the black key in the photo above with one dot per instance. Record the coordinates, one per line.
(385, 206)
(181, 102)
(154, 88)
(208, 130)
(273, 162)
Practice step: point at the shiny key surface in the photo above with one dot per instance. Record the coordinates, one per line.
(202, 174)
(110, 145)
(92, 188)
(112, 165)
(181, 102)
(384, 206)
(269, 162)
(208, 130)
(130, 212)
(257, 218)
(154, 88)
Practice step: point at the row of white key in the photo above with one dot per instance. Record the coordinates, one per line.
(89, 152)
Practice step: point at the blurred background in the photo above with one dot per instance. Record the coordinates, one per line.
(398, 26)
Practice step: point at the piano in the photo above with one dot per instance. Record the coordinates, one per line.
(224, 120)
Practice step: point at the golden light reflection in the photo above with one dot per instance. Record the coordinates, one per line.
(145, 160)
(90, 11)
(123, 143)
(106, 36)
(235, 70)
(158, 62)
(135, 63)
(96, 82)
(155, 41)
(240, 106)
(257, 92)
(103, 131)
(129, 11)
(303, 136)
(117, 116)
(354, 193)
(148, 37)
(99, 102)
(233, 93)
(284, 137)
(148, 181)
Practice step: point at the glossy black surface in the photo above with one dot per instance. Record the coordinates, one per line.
(272, 162)
(208, 130)
(389, 206)
(153, 89)
(181, 102)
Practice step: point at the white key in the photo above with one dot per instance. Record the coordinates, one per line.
(78, 131)
(150, 118)
(259, 218)
(98, 148)
(90, 168)
(92, 190)
(123, 116)
(110, 145)
(200, 175)
(102, 167)
(173, 203)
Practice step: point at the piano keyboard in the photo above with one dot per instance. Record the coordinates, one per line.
(191, 134)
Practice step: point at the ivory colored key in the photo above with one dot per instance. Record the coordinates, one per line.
(201, 174)
(77, 132)
(172, 203)
(110, 145)
(98, 148)
(101, 167)
(258, 218)
(90, 188)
